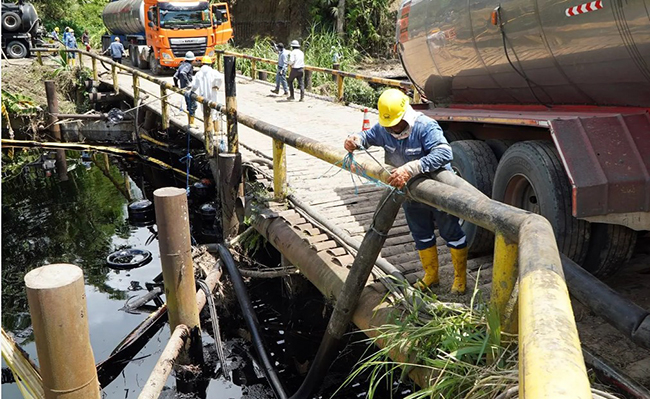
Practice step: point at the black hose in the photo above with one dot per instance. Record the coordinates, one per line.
(251, 320)
(623, 314)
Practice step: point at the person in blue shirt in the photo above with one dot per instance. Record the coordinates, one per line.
(70, 42)
(116, 49)
(281, 75)
(183, 77)
(415, 144)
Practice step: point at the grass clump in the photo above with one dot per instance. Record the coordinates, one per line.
(461, 350)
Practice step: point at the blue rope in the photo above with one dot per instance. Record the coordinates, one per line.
(348, 163)
(187, 159)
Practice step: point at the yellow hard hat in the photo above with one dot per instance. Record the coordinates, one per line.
(56, 28)
(206, 60)
(392, 106)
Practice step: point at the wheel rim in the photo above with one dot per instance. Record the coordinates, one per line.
(16, 50)
(521, 193)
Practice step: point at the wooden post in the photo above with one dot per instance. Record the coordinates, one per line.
(81, 62)
(253, 69)
(177, 266)
(164, 108)
(116, 84)
(339, 86)
(337, 67)
(136, 90)
(279, 170)
(231, 104)
(207, 130)
(156, 382)
(230, 175)
(53, 109)
(95, 74)
(308, 79)
(263, 76)
(57, 305)
(39, 57)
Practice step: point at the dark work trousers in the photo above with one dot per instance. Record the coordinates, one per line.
(422, 220)
(297, 73)
(118, 60)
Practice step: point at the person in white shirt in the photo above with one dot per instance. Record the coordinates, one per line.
(297, 62)
(206, 83)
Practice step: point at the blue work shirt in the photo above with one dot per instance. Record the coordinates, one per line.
(70, 41)
(184, 73)
(283, 59)
(426, 143)
(116, 49)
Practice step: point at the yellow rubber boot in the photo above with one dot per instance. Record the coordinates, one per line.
(429, 259)
(192, 122)
(459, 260)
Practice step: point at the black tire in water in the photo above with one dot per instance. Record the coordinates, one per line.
(11, 21)
(610, 247)
(530, 176)
(16, 49)
(475, 162)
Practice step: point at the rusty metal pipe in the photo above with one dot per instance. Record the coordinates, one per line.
(355, 282)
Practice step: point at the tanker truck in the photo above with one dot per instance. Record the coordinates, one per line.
(21, 29)
(547, 107)
(159, 33)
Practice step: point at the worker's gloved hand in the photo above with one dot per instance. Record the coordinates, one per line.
(399, 177)
(352, 143)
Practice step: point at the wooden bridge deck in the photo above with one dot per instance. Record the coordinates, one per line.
(350, 205)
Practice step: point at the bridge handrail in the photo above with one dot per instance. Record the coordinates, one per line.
(551, 364)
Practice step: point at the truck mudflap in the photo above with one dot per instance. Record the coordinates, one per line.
(607, 159)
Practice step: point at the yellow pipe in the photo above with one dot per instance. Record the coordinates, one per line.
(253, 69)
(550, 358)
(164, 108)
(339, 87)
(504, 278)
(136, 90)
(95, 74)
(279, 170)
(116, 84)
(39, 58)
(207, 130)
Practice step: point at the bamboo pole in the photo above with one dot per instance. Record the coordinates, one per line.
(164, 108)
(231, 104)
(57, 305)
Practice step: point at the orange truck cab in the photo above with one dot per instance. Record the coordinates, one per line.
(159, 33)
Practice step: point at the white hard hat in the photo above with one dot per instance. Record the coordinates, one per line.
(189, 56)
(295, 43)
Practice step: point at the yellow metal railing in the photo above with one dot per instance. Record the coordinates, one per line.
(340, 75)
(525, 253)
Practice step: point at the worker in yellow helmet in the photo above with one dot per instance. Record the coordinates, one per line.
(414, 145)
(206, 83)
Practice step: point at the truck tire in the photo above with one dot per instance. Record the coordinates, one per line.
(499, 146)
(133, 55)
(530, 176)
(475, 162)
(11, 21)
(17, 49)
(457, 135)
(610, 247)
(142, 63)
(154, 65)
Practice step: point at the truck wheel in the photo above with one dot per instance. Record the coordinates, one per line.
(530, 176)
(154, 65)
(610, 247)
(475, 162)
(456, 135)
(11, 21)
(133, 55)
(499, 147)
(142, 64)
(16, 49)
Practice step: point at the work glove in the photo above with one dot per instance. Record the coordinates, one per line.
(352, 143)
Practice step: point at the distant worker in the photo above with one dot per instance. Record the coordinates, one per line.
(85, 39)
(297, 62)
(71, 42)
(415, 144)
(281, 75)
(116, 49)
(55, 34)
(206, 84)
(183, 77)
(66, 32)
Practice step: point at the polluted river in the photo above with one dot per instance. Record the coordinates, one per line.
(85, 219)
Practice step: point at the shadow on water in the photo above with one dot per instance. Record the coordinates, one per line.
(82, 220)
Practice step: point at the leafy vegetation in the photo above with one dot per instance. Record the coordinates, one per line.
(462, 350)
(76, 14)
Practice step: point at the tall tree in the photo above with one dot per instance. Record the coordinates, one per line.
(340, 17)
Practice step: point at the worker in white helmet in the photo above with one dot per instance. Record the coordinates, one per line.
(183, 78)
(297, 63)
(206, 84)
